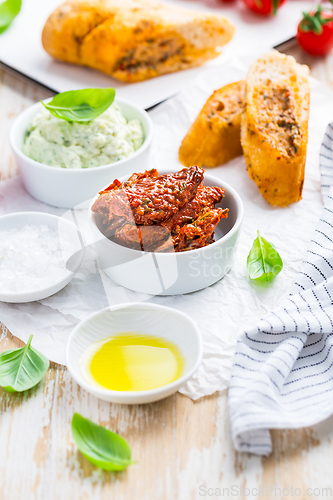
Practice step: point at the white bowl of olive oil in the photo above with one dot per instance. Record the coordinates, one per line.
(134, 353)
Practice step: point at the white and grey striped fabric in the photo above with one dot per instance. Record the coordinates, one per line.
(282, 376)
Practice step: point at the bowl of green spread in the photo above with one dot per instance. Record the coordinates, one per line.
(63, 163)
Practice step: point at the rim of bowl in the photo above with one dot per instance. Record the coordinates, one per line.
(38, 105)
(78, 377)
(181, 255)
(14, 295)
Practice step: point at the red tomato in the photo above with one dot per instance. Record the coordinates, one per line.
(317, 44)
(264, 6)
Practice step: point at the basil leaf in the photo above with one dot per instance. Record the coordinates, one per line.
(8, 12)
(263, 261)
(80, 105)
(100, 446)
(21, 369)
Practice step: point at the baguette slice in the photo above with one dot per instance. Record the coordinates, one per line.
(214, 137)
(133, 40)
(274, 132)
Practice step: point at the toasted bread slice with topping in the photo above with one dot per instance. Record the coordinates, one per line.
(214, 137)
(274, 132)
(133, 40)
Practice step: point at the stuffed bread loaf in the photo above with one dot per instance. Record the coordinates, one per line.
(214, 137)
(133, 40)
(274, 130)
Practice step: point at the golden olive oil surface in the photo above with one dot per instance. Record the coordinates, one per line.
(135, 362)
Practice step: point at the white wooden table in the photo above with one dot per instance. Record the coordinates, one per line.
(183, 448)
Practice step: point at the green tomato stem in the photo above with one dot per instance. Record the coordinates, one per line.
(314, 21)
(275, 6)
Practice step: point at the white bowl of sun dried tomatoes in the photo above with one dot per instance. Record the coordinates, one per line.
(167, 232)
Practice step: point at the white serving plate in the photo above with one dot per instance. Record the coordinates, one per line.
(144, 318)
(68, 188)
(173, 273)
(20, 219)
(252, 32)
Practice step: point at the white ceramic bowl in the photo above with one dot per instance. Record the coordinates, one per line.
(144, 318)
(62, 225)
(177, 272)
(67, 188)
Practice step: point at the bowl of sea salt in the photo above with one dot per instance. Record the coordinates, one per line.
(35, 249)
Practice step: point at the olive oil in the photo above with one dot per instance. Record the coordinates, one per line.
(132, 362)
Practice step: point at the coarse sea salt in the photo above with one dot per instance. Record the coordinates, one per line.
(31, 258)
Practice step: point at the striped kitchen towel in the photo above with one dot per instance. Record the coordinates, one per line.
(282, 376)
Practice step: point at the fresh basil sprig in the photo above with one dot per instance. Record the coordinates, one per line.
(263, 261)
(21, 369)
(8, 11)
(80, 105)
(101, 447)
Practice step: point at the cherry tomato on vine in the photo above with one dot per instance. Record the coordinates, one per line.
(315, 32)
(264, 7)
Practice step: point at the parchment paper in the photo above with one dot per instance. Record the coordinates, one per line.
(221, 311)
